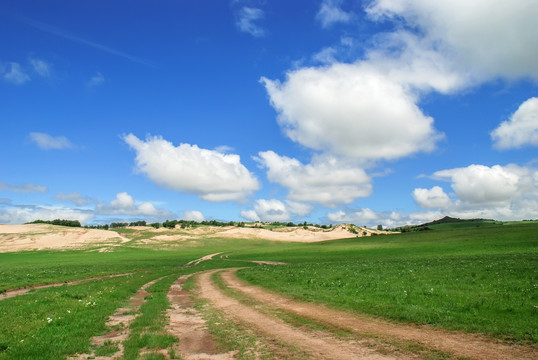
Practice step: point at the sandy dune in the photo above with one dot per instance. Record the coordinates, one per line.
(296, 234)
(43, 236)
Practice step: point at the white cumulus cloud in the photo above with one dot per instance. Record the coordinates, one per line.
(250, 215)
(193, 215)
(490, 38)
(299, 208)
(267, 210)
(275, 210)
(326, 180)
(521, 129)
(498, 192)
(124, 204)
(22, 214)
(370, 218)
(47, 142)
(431, 198)
(482, 184)
(212, 175)
(369, 108)
(352, 110)
(360, 216)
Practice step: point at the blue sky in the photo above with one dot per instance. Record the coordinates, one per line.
(371, 112)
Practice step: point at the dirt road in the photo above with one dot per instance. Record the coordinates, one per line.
(458, 344)
(318, 344)
(288, 329)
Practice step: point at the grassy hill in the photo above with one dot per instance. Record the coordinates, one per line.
(477, 276)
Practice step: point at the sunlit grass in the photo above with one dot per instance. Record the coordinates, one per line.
(477, 279)
(53, 323)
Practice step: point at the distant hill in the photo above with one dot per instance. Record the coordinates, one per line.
(450, 223)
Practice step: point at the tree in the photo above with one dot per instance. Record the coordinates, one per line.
(379, 227)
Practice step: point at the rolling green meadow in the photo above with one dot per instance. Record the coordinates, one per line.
(472, 277)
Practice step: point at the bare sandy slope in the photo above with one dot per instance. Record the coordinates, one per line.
(295, 234)
(286, 234)
(43, 236)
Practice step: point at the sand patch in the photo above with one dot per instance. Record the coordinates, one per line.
(43, 236)
(295, 234)
(171, 237)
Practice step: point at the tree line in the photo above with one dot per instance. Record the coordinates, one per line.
(172, 224)
(61, 222)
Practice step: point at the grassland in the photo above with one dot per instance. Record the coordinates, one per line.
(478, 279)
(471, 278)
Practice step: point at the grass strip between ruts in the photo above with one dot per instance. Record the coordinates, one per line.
(56, 322)
(382, 344)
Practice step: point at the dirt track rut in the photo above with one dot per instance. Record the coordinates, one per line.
(320, 346)
(123, 317)
(21, 291)
(459, 344)
(186, 323)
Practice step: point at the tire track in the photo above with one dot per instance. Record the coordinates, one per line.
(21, 291)
(464, 345)
(204, 258)
(186, 323)
(318, 344)
(121, 319)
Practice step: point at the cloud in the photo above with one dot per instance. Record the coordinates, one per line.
(224, 149)
(72, 197)
(193, 215)
(415, 63)
(351, 110)
(359, 216)
(325, 55)
(22, 214)
(326, 180)
(368, 109)
(275, 210)
(246, 19)
(299, 208)
(12, 72)
(482, 184)
(26, 187)
(48, 142)
(187, 168)
(521, 129)
(96, 80)
(267, 210)
(331, 13)
(117, 210)
(464, 31)
(499, 192)
(250, 215)
(370, 218)
(41, 67)
(431, 198)
(124, 204)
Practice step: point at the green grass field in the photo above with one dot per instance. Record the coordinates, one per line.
(480, 279)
